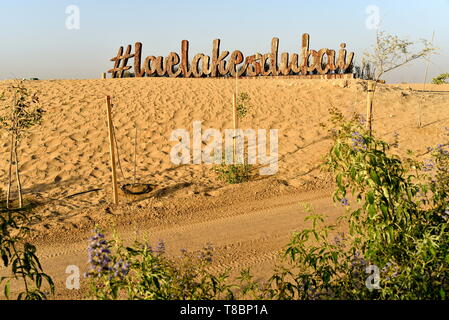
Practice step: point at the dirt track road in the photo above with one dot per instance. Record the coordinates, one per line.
(244, 235)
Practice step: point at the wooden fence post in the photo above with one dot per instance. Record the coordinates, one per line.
(369, 106)
(236, 124)
(112, 150)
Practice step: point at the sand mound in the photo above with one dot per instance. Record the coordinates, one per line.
(65, 162)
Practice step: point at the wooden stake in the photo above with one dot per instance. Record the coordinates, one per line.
(135, 156)
(236, 124)
(8, 192)
(19, 184)
(112, 150)
(236, 82)
(103, 75)
(424, 87)
(369, 106)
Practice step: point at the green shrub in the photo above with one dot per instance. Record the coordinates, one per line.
(140, 272)
(234, 173)
(20, 256)
(441, 79)
(243, 106)
(398, 225)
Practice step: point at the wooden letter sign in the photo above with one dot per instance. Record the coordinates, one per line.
(309, 62)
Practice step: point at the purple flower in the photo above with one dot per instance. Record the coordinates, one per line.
(161, 246)
(358, 142)
(206, 253)
(358, 260)
(428, 166)
(101, 260)
(344, 202)
(441, 148)
(339, 239)
(99, 254)
(121, 269)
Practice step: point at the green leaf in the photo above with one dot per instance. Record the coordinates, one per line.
(372, 211)
(370, 197)
(339, 180)
(442, 294)
(7, 289)
(375, 177)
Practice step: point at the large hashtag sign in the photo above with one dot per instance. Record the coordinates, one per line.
(121, 62)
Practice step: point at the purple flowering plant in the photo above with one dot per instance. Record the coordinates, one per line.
(141, 271)
(398, 223)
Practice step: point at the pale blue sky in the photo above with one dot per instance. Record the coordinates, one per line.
(36, 43)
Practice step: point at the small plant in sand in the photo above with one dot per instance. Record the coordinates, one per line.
(235, 173)
(441, 79)
(20, 257)
(243, 105)
(19, 113)
(141, 272)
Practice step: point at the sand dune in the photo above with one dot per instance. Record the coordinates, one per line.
(68, 154)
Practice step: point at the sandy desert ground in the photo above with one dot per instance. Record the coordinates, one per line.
(65, 162)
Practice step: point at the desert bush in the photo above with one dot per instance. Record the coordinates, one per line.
(19, 256)
(398, 226)
(243, 104)
(441, 79)
(234, 173)
(140, 272)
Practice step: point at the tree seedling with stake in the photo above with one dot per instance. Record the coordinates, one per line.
(390, 53)
(18, 114)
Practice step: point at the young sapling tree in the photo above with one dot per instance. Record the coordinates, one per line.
(236, 173)
(390, 53)
(18, 115)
